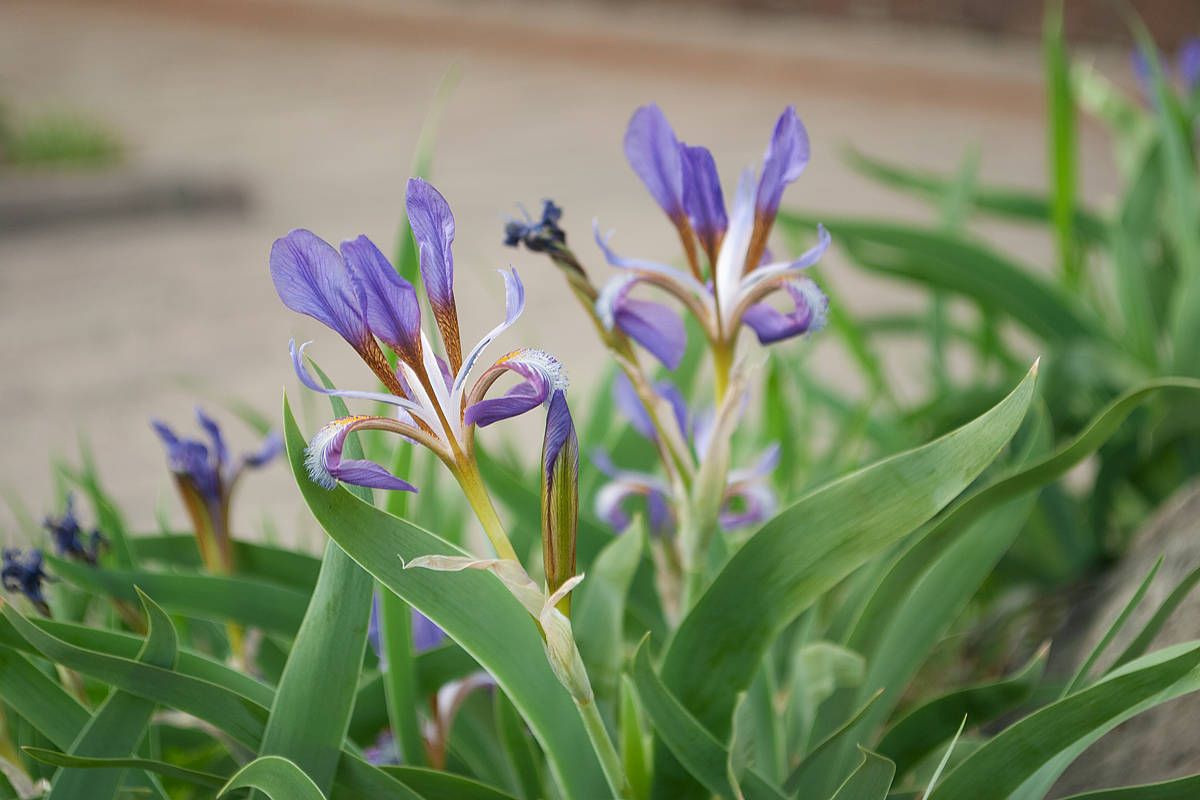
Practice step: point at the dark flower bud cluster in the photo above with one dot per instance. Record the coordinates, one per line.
(24, 573)
(539, 236)
(70, 541)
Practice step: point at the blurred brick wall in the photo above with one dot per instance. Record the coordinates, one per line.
(1086, 20)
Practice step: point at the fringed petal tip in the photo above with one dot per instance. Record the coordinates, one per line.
(325, 467)
(807, 317)
(543, 376)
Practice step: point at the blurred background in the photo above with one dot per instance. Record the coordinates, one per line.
(154, 150)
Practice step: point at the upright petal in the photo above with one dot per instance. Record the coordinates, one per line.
(311, 278)
(653, 151)
(732, 259)
(388, 300)
(785, 159)
(808, 315)
(702, 198)
(270, 446)
(214, 433)
(433, 228)
(514, 304)
(560, 495)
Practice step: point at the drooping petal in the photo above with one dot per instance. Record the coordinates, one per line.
(785, 159)
(560, 494)
(302, 373)
(655, 327)
(806, 317)
(629, 405)
(543, 376)
(323, 460)
(388, 300)
(268, 448)
(759, 504)
(702, 198)
(433, 229)
(653, 151)
(311, 278)
(514, 304)
(661, 515)
(767, 461)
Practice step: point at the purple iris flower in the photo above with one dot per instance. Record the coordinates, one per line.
(748, 500)
(435, 406)
(735, 242)
(426, 634)
(206, 477)
(24, 574)
(1185, 75)
(69, 539)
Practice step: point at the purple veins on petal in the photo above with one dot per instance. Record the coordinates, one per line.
(653, 151)
(323, 461)
(311, 278)
(433, 228)
(785, 159)
(808, 315)
(560, 432)
(542, 374)
(389, 302)
(702, 198)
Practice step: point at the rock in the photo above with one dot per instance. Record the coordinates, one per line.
(1162, 743)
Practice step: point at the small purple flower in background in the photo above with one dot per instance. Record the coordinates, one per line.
(748, 499)
(359, 295)
(384, 753)
(1186, 73)
(683, 180)
(206, 478)
(24, 574)
(426, 634)
(70, 540)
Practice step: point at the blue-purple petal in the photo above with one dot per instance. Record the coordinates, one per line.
(311, 278)
(785, 159)
(388, 300)
(516, 401)
(426, 633)
(661, 515)
(268, 449)
(214, 433)
(1187, 63)
(560, 429)
(629, 404)
(702, 198)
(653, 151)
(369, 474)
(655, 327)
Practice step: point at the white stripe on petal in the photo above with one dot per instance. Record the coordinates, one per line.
(731, 260)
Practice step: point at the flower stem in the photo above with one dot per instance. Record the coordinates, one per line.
(610, 762)
(722, 362)
(477, 495)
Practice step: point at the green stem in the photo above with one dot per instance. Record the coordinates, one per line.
(610, 762)
(472, 485)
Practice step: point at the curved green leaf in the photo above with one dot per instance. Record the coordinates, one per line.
(1003, 765)
(920, 732)
(870, 780)
(279, 778)
(46, 705)
(822, 755)
(806, 550)
(1182, 789)
(236, 598)
(946, 261)
(431, 784)
(1145, 637)
(705, 758)
(147, 764)
(474, 608)
(119, 724)
(297, 570)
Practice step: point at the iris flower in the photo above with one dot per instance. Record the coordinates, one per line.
(206, 477)
(748, 498)
(683, 180)
(24, 574)
(70, 540)
(1185, 75)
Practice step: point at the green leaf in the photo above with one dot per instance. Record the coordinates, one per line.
(1142, 641)
(1081, 675)
(1060, 119)
(870, 781)
(696, 748)
(820, 669)
(296, 570)
(1180, 789)
(400, 683)
(635, 752)
(807, 549)
(519, 749)
(472, 607)
(147, 764)
(119, 724)
(248, 601)
(433, 785)
(598, 621)
(240, 717)
(945, 261)
(279, 778)
(43, 702)
(1030, 754)
(818, 761)
(923, 729)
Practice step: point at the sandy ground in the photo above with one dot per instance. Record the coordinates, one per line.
(316, 107)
